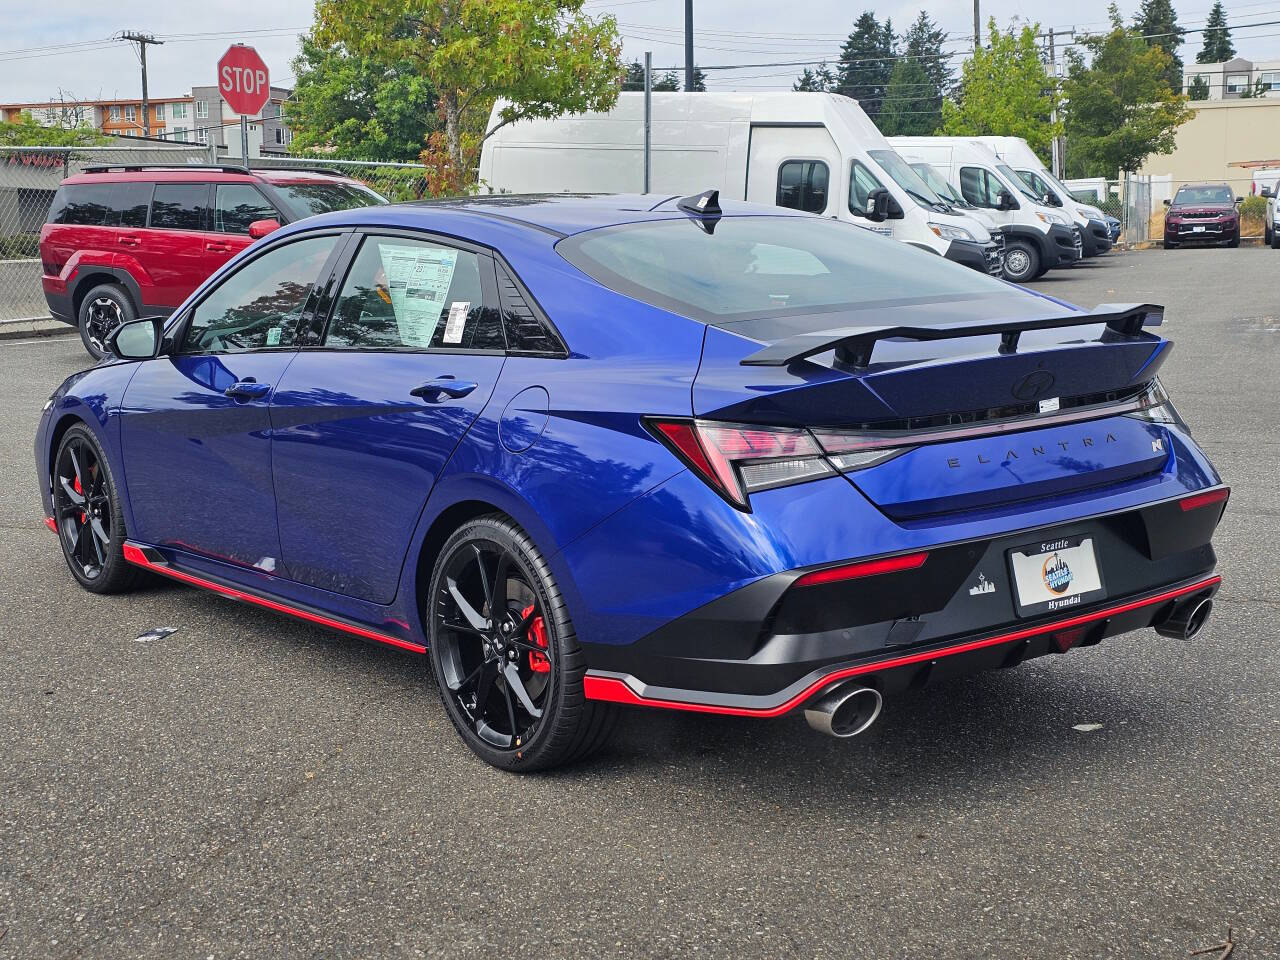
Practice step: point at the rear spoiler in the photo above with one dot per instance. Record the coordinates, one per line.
(853, 345)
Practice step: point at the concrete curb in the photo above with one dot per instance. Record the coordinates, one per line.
(1159, 244)
(35, 327)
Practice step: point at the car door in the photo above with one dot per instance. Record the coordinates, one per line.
(235, 206)
(365, 421)
(171, 251)
(196, 426)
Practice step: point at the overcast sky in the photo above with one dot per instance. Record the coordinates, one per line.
(47, 47)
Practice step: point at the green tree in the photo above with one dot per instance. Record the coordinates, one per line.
(25, 132)
(1004, 91)
(1198, 88)
(699, 80)
(908, 109)
(1157, 21)
(1119, 108)
(671, 81)
(1260, 88)
(866, 60)
(542, 58)
(815, 81)
(923, 42)
(1217, 37)
(359, 107)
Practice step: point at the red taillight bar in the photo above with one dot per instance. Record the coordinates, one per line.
(863, 568)
(1204, 499)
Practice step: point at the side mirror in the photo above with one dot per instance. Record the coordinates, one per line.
(1239, 199)
(138, 339)
(1052, 200)
(1167, 202)
(1266, 193)
(260, 228)
(1005, 201)
(878, 201)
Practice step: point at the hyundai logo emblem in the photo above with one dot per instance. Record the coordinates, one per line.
(1034, 385)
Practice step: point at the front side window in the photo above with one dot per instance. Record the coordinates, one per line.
(861, 183)
(802, 185)
(259, 306)
(1037, 185)
(180, 206)
(979, 186)
(413, 295)
(936, 183)
(892, 163)
(236, 205)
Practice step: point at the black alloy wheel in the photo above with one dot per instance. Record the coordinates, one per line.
(504, 653)
(103, 309)
(87, 515)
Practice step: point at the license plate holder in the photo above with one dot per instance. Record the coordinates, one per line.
(1197, 229)
(1055, 574)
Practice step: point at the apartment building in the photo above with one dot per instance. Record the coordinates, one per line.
(1235, 79)
(218, 123)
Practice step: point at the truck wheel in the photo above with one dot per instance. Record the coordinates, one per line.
(103, 309)
(1021, 261)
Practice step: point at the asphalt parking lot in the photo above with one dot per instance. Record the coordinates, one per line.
(251, 786)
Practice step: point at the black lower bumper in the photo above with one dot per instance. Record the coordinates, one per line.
(983, 257)
(1096, 237)
(771, 643)
(1065, 244)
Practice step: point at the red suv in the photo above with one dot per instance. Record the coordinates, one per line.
(125, 242)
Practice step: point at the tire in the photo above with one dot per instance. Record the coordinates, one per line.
(1170, 246)
(1266, 235)
(1021, 261)
(82, 478)
(473, 653)
(103, 309)
(1275, 239)
(1234, 242)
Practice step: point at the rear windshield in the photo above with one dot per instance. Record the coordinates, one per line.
(1203, 195)
(755, 267)
(309, 199)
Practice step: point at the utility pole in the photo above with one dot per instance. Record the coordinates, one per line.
(648, 114)
(142, 40)
(1055, 154)
(688, 46)
(977, 27)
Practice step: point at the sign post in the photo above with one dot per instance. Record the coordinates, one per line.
(245, 85)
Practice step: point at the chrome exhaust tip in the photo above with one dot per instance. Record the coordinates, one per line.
(845, 712)
(1187, 620)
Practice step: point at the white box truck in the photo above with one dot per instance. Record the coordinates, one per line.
(1026, 163)
(810, 151)
(1036, 238)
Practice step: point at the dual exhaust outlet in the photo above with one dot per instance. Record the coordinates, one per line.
(848, 709)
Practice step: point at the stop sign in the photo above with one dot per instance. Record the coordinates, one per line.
(243, 79)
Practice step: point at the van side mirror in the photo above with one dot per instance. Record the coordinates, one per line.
(1005, 201)
(260, 228)
(1266, 193)
(138, 339)
(1052, 200)
(1168, 202)
(878, 201)
(1239, 199)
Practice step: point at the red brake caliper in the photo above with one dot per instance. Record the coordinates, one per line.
(76, 487)
(538, 662)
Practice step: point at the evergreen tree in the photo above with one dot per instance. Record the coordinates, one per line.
(1217, 37)
(1198, 88)
(866, 60)
(922, 46)
(906, 110)
(633, 79)
(1157, 22)
(815, 81)
(699, 80)
(923, 41)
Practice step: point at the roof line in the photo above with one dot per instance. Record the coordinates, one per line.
(499, 216)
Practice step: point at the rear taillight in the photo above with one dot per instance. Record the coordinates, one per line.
(849, 450)
(738, 460)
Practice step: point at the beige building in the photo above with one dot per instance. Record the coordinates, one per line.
(1221, 142)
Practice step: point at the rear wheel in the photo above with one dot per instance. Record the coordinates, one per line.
(87, 514)
(1021, 262)
(505, 654)
(1275, 239)
(103, 309)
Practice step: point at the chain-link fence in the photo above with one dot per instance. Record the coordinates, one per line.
(395, 181)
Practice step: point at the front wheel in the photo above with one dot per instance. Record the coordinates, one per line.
(505, 654)
(1233, 242)
(1021, 262)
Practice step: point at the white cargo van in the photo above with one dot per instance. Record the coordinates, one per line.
(1036, 238)
(1017, 153)
(810, 151)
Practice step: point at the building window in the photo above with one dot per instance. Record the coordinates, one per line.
(202, 134)
(159, 111)
(179, 111)
(202, 109)
(1270, 79)
(180, 135)
(131, 112)
(1237, 82)
(115, 112)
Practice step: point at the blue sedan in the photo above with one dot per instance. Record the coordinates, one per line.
(585, 452)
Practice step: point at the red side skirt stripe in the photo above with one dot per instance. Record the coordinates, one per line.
(135, 555)
(617, 691)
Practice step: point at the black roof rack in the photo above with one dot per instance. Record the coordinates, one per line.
(139, 167)
(853, 345)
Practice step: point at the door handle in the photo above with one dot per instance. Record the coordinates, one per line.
(248, 389)
(433, 391)
(127, 241)
(216, 247)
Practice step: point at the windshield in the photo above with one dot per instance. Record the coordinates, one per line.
(309, 199)
(892, 163)
(939, 186)
(1016, 181)
(764, 267)
(1192, 195)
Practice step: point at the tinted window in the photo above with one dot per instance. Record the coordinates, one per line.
(753, 267)
(309, 199)
(259, 305)
(180, 206)
(413, 295)
(82, 204)
(802, 185)
(861, 183)
(526, 331)
(236, 205)
(129, 203)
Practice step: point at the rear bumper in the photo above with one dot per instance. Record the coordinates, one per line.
(983, 257)
(768, 647)
(58, 297)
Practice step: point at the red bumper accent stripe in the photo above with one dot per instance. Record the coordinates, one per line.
(51, 523)
(136, 555)
(1204, 499)
(616, 691)
(862, 568)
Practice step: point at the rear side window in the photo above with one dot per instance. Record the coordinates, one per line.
(129, 202)
(526, 330)
(236, 205)
(180, 206)
(414, 295)
(802, 185)
(82, 204)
